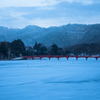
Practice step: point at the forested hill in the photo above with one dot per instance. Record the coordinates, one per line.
(66, 35)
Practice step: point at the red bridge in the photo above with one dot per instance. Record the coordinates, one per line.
(59, 56)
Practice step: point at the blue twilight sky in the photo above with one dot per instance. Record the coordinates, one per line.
(46, 13)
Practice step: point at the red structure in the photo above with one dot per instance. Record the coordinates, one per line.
(60, 56)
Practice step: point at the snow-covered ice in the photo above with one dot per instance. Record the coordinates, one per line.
(50, 79)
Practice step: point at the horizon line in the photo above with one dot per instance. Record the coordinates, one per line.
(49, 26)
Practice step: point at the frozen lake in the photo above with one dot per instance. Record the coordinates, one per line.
(50, 79)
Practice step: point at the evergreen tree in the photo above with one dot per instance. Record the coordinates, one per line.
(18, 47)
(39, 49)
(54, 49)
(4, 49)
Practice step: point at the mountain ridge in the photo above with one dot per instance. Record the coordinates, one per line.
(65, 35)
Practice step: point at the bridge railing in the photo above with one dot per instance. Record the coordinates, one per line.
(60, 56)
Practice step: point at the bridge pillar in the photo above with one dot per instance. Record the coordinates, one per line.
(40, 58)
(96, 58)
(76, 58)
(58, 58)
(49, 58)
(86, 58)
(32, 58)
(67, 58)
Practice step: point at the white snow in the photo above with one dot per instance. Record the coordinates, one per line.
(50, 79)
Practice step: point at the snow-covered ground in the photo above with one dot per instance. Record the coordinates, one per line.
(50, 79)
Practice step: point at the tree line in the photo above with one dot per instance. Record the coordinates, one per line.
(17, 48)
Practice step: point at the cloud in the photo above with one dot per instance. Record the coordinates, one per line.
(86, 2)
(11, 18)
(48, 22)
(9, 13)
(38, 3)
(64, 20)
(27, 3)
(21, 3)
(46, 16)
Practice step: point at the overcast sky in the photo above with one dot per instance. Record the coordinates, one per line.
(46, 13)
